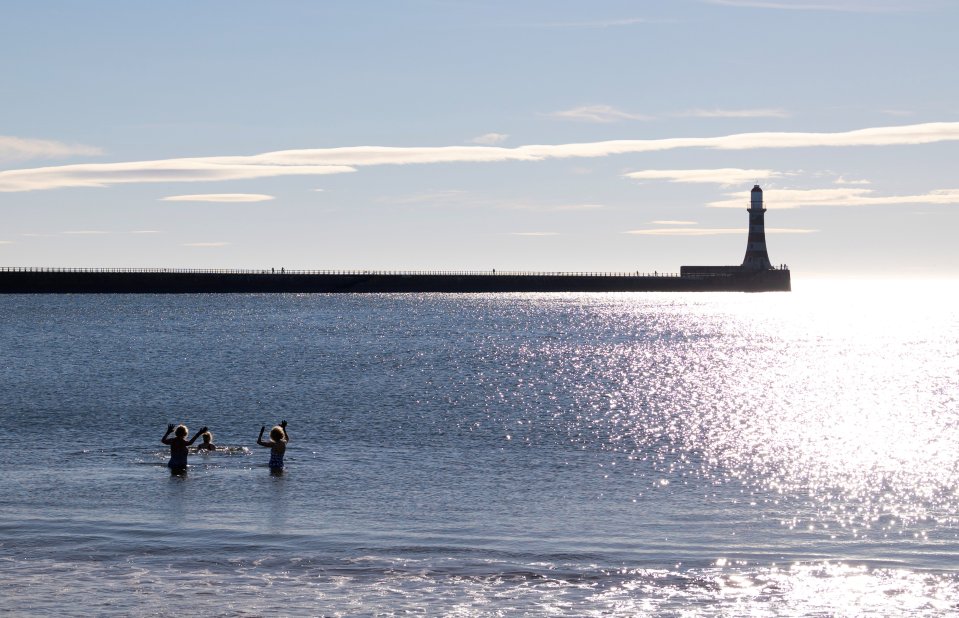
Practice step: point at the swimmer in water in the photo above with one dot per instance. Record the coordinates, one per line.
(277, 442)
(179, 446)
(207, 444)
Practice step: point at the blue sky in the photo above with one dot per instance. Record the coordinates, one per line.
(458, 134)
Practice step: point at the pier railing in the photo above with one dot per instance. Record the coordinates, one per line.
(285, 271)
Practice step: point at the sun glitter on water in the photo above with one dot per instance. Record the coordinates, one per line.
(845, 393)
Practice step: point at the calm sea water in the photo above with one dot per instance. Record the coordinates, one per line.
(598, 454)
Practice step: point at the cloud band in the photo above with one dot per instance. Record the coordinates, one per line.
(342, 160)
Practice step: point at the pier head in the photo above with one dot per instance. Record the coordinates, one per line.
(756, 270)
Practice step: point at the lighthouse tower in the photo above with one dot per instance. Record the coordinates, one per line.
(756, 256)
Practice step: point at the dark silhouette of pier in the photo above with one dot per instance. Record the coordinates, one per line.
(26, 280)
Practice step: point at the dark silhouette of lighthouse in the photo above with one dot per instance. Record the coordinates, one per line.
(756, 256)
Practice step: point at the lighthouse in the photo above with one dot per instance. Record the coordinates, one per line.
(756, 256)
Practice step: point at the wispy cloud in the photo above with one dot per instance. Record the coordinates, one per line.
(702, 231)
(533, 233)
(206, 244)
(146, 232)
(600, 23)
(85, 232)
(736, 113)
(841, 6)
(465, 199)
(784, 199)
(22, 149)
(597, 113)
(166, 170)
(569, 207)
(898, 112)
(532, 206)
(673, 222)
(844, 181)
(219, 197)
(490, 139)
(442, 196)
(722, 176)
(340, 160)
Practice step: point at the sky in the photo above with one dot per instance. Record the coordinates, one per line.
(559, 135)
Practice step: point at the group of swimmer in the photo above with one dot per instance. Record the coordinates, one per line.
(179, 445)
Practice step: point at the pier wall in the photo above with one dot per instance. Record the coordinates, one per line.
(27, 281)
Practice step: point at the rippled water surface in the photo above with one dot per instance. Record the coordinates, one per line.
(595, 454)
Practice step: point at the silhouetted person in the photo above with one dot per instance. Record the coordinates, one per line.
(179, 446)
(277, 443)
(207, 444)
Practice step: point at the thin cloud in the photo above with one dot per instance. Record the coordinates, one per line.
(490, 139)
(897, 112)
(533, 233)
(6, 242)
(785, 199)
(342, 160)
(168, 170)
(702, 231)
(603, 23)
(219, 197)
(736, 113)
(840, 6)
(673, 222)
(429, 197)
(537, 206)
(843, 181)
(722, 176)
(574, 207)
(467, 200)
(85, 232)
(206, 244)
(22, 149)
(598, 114)
(146, 232)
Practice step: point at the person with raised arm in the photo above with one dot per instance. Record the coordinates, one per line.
(277, 443)
(179, 446)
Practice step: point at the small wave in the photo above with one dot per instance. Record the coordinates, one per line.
(222, 450)
(251, 587)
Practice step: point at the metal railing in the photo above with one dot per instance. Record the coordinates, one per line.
(354, 273)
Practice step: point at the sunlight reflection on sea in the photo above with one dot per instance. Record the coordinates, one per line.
(594, 454)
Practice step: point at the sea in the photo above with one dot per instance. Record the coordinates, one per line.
(621, 454)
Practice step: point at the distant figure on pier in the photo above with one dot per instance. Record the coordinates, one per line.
(277, 444)
(179, 446)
